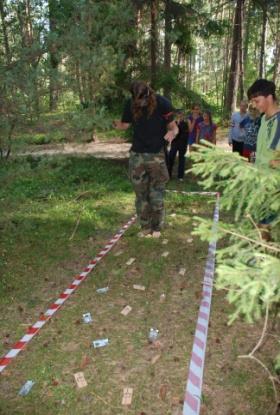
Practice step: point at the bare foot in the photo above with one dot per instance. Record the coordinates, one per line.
(156, 234)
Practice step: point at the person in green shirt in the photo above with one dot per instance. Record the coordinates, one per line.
(262, 94)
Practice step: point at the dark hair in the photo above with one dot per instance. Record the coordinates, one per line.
(262, 87)
(140, 92)
(209, 115)
(195, 105)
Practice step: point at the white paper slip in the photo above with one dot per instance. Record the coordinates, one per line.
(139, 287)
(100, 343)
(26, 388)
(80, 379)
(127, 396)
(130, 261)
(127, 309)
(165, 242)
(189, 240)
(118, 253)
(102, 290)
(87, 318)
(165, 254)
(182, 271)
(173, 215)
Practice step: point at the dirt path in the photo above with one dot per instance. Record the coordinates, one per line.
(110, 150)
(113, 149)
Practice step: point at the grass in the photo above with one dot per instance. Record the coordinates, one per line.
(43, 201)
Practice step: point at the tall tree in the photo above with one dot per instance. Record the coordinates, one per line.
(167, 44)
(236, 53)
(154, 41)
(5, 31)
(53, 55)
(263, 39)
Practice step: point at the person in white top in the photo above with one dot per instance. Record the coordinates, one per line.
(236, 133)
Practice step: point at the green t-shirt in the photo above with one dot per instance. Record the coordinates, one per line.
(268, 141)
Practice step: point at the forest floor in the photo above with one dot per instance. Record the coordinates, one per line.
(58, 213)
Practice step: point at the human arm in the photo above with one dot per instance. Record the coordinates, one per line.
(197, 135)
(126, 120)
(230, 130)
(275, 145)
(119, 125)
(172, 131)
(191, 124)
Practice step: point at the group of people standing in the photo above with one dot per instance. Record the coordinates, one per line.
(192, 129)
(244, 129)
(155, 125)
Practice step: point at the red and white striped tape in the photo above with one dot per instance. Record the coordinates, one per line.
(35, 328)
(195, 377)
(193, 393)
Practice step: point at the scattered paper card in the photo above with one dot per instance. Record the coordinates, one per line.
(189, 240)
(26, 388)
(165, 254)
(165, 242)
(127, 309)
(118, 253)
(102, 290)
(80, 379)
(182, 271)
(173, 215)
(87, 318)
(162, 297)
(100, 343)
(155, 359)
(127, 396)
(130, 261)
(139, 287)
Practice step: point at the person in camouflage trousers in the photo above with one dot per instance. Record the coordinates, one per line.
(151, 117)
(148, 174)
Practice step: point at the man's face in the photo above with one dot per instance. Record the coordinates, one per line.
(261, 103)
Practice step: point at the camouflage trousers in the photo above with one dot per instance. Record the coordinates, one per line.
(148, 174)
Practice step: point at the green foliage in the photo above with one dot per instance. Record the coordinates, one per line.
(248, 268)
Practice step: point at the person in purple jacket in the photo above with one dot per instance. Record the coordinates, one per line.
(206, 130)
(193, 120)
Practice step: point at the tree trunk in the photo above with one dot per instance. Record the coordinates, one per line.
(241, 55)
(263, 42)
(5, 32)
(234, 74)
(154, 41)
(276, 72)
(167, 47)
(226, 61)
(79, 83)
(247, 25)
(24, 13)
(54, 62)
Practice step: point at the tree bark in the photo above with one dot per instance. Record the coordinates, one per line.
(167, 47)
(234, 74)
(263, 41)
(54, 61)
(5, 31)
(154, 41)
(241, 54)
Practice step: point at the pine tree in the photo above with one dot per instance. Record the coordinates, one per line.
(248, 268)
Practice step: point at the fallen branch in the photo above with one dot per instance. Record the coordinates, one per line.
(77, 224)
(272, 378)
